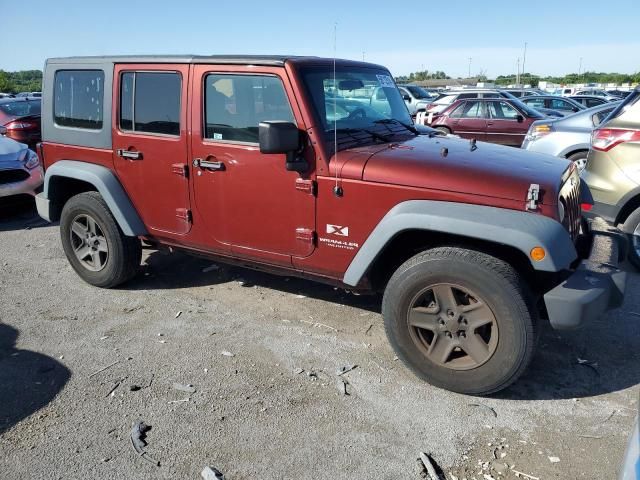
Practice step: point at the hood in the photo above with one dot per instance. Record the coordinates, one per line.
(11, 152)
(488, 170)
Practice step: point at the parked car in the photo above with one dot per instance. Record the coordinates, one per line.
(20, 169)
(589, 101)
(235, 158)
(630, 469)
(416, 97)
(594, 92)
(524, 92)
(445, 99)
(6, 95)
(568, 137)
(564, 91)
(613, 170)
(29, 94)
(621, 94)
(561, 104)
(499, 120)
(21, 118)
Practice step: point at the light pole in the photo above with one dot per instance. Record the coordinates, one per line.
(524, 57)
(469, 76)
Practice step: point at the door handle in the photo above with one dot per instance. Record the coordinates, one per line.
(208, 165)
(129, 154)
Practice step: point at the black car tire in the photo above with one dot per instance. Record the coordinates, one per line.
(497, 285)
(632, 224)
(122, 259)
(578, 157)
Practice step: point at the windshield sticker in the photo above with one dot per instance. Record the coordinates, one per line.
(217, 136)
(386, 81)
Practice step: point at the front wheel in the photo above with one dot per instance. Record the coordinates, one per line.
(579, 159)
(97, 249)
(462, 320)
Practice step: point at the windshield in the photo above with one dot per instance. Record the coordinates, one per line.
(530, 112)
(418, 92)
(361, 105)
(21, 108)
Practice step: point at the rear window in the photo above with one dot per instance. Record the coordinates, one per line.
(445, 99)
(626, 104)
(78, 98)
(21, 109)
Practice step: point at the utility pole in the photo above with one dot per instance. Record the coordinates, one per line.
(524, 58)
(469, 76)
(580, 66)
(518, 72)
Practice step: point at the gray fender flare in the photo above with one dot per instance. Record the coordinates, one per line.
(521, 230)
(107, 185)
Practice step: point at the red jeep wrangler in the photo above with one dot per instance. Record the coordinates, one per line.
(290, 164)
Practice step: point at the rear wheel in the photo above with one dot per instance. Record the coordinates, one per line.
(632, 224)
(580, 159)
(97, 249)
(445, 130)
(460, 319)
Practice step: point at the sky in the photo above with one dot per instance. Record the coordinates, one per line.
(404, 36)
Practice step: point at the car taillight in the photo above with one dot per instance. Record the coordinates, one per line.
(604, 139)
(21, 125)
(537, 131)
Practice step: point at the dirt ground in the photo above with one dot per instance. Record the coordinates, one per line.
(79, 366)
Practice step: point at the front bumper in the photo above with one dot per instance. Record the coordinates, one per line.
(29, 186)
(597, 285)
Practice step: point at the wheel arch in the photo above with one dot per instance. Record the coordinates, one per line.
(575, 149)
(67, 178)
(506, 233)
(630, 206)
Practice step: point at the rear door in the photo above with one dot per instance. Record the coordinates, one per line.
(150, 143)
(503, 126)
(469, 120)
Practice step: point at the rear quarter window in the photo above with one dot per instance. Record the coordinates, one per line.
(78, 99)
(628, 103)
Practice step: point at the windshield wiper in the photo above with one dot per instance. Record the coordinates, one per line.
(411, 128)
(351, 131)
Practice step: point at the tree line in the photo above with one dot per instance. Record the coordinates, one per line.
(23, 81)
(532, 79)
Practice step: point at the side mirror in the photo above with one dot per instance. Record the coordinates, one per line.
(3, 130)
(519, 118)
(406, 98)
(277, 137)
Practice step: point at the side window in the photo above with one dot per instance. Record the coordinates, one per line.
(467, 95)
(558, 104)
(236, 104)
(78, 98)
(502, 111)
(534, 102)
(597, 118)
(150, 102)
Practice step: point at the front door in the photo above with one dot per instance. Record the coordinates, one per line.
(248, 201)
(503, 125)
(150, 144)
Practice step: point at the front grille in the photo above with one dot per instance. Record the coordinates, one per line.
(570, 198)
(13, 176)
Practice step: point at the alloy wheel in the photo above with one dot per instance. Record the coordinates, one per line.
(89, 243)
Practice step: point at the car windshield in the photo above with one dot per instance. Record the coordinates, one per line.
(21, 108)
(361, 105)
(418, 92)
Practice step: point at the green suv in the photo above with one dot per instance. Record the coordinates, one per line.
(613, 170)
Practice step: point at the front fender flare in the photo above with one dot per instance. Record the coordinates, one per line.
(521, 230)
(107, 185)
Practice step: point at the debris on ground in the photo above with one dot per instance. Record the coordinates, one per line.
(298, 371)
(134, 388)
(184, 388)
(212, 473)
(104, 368)
(588, 363)
(227, 354)
(486, 407)
(138, 440)
(366, 332)
(179, 401)
(429, 467)
(524, 475)
(345, 369)
(342, 386)
(554, 459)
(210, 268)
(178, 313)
(112, 391)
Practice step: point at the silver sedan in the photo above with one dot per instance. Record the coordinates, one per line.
(568, 137)
(20, 168)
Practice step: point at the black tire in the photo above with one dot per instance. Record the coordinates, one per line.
(579, 158)
(445, 130)
(122, 260)
(498, 286)
(632, 224)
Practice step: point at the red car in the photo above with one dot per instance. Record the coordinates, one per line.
(21, 118)
(495, 120)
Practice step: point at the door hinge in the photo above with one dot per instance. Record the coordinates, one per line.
(533, 196)
(180, 169)
(305, 235)
(184, 214)
(306, 186)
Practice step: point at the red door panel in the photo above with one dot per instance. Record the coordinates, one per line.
(249, 203)
(150, 151)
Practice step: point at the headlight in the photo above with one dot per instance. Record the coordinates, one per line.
(31, 160)
(561, 210)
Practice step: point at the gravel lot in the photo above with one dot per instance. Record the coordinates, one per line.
(262, 353)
